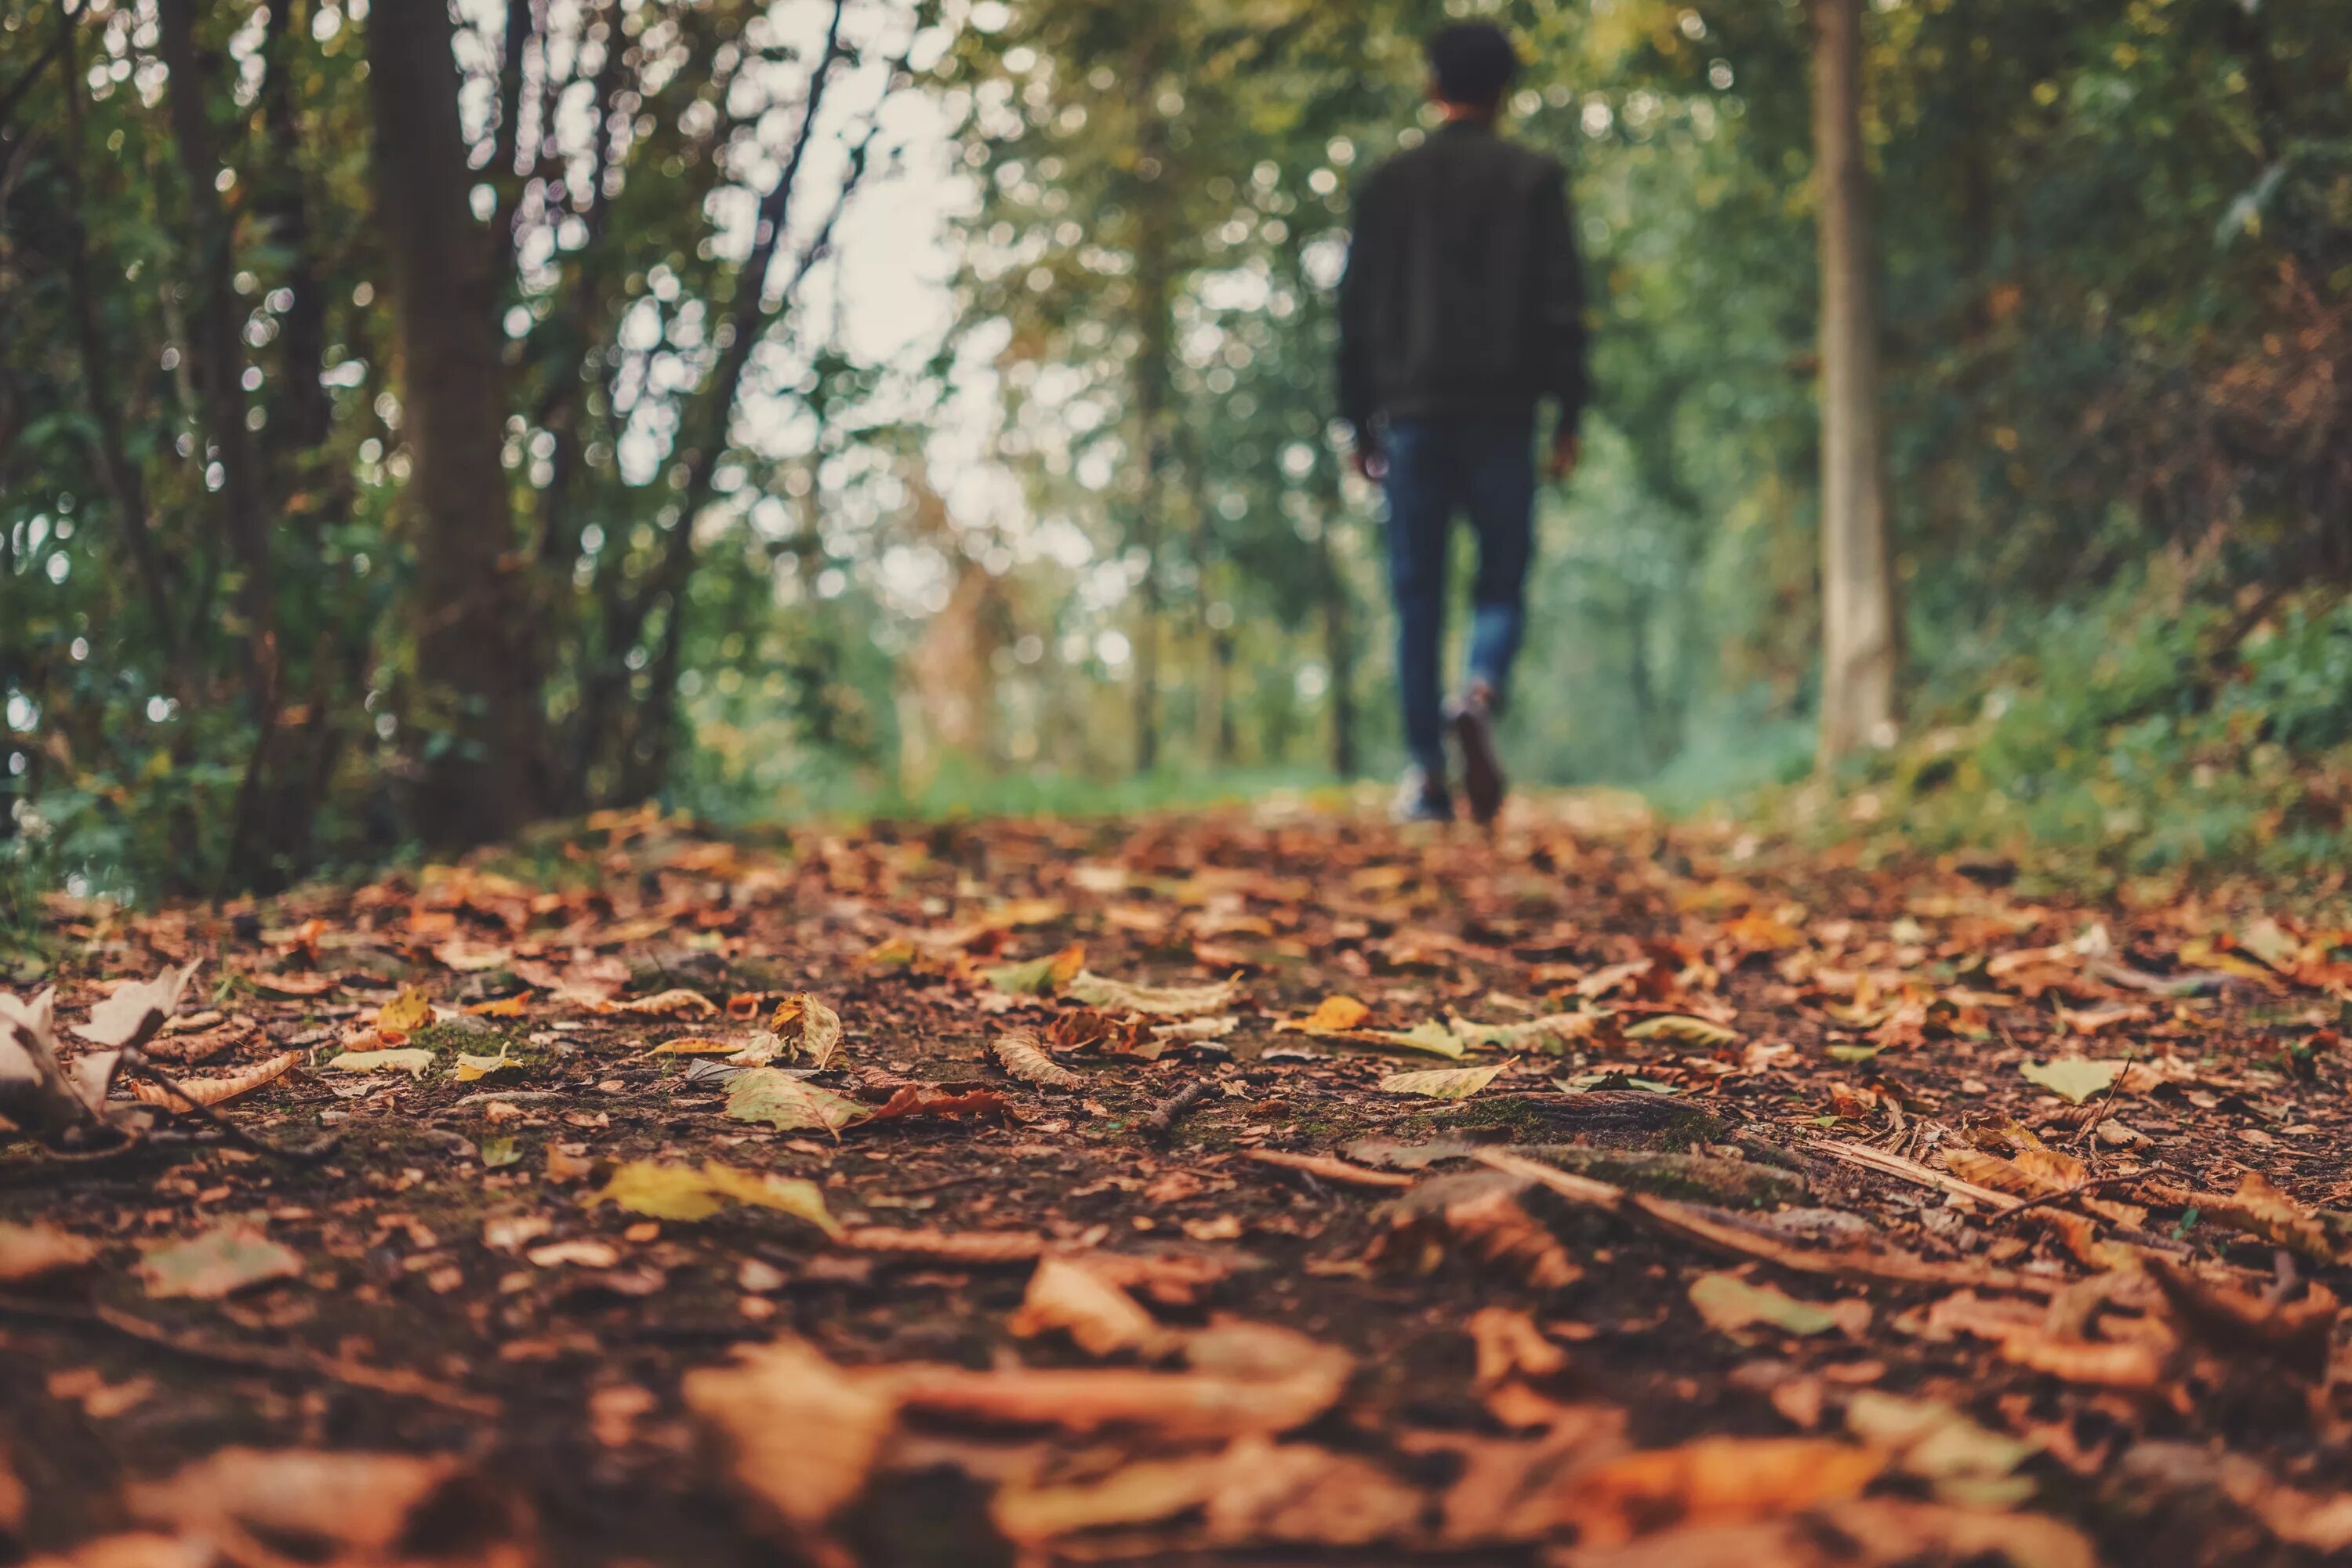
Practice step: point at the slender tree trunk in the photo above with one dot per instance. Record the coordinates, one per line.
(218, 354)
(126, 493)
(1152, 377)
(1859, 639)
(477, 703)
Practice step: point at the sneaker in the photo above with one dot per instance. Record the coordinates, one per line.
(1421, 798)
(1482, 766)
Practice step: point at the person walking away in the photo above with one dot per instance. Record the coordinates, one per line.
(1461, 309)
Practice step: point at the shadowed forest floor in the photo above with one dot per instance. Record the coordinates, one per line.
(1236, 1187)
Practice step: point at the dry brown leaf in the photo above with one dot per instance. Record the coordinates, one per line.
(1713, 1481)
(676, 1003)
(1509, 1345)
(2258, 1208)
(214, 1090)
(1483, 1217)
(1019, 1054)
(2230, 1323)
(1067, 1296)
(33, 1251)
(314, 1507)
(1253, 1492)
(799, 1433)
(1240, 1378)
(137, 1009)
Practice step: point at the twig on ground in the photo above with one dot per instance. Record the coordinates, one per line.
(1161, 1122)
(308, 1153)
(2077, 1191)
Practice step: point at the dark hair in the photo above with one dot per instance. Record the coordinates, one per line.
(1472, 63)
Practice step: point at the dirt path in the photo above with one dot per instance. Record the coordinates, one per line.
(1717, 1265)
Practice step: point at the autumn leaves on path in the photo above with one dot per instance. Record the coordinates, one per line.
(1209, 1188)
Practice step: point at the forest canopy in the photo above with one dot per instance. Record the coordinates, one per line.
(418, 423)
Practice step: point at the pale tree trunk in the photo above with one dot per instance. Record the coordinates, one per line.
(1859, 646)
(1152, 374)
(478, 694)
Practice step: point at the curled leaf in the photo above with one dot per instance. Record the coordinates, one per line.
(1019, 1053)
(214, 1090)
(137, 1009)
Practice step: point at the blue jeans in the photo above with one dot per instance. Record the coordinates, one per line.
(1437, 467)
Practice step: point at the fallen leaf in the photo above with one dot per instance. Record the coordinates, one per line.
(1509, 1345)
(787, 1104)
(1178, 1001)
(1068, 1297)
(1019, 1054)
(1429, 1038)
(1332, 1016)
(673, 1003)
(583, 1254)
(1240, 1378)
(216, 1090)
(137, 1009)
(1732, 1304)
(1713, 1481)
(473, 957)
(1038, 977)
(347, 1507)
(2073, 1078)
(1682, 1030)
(214, 1265)
(1932, 1440)
(800, 1435)
(1442, 1083)
(470, 1067)
(35, 1251)
(697, 1045)
(685, 1193)
(414, 1060)
(1483, 1215)
(914, 1100)
(407, 1013)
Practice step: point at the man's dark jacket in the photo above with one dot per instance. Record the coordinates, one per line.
(1462, 295)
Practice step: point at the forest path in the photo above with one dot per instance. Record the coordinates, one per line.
(1100, 1226)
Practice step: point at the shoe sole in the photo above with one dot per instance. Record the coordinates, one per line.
(1482, 768)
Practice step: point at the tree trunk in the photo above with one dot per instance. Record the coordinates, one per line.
(1859, 639)
(475, 720)
(217, 355)
(1152, 376)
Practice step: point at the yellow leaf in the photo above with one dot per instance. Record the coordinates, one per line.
(470, 1067)
(1443, 1083)
(415, 1061)
(1331, 1016)
(407, 1013)
(697, 1045)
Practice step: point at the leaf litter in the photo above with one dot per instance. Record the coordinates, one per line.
(1864, 1249)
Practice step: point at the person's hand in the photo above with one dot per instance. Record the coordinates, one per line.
(1565, 451)
(1370, 462)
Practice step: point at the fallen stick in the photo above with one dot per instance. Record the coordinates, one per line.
(251, 1358)
(1161, 1122)
(1683, 1223)
(1331, 1169)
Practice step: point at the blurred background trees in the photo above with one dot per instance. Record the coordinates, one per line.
(413, 423)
